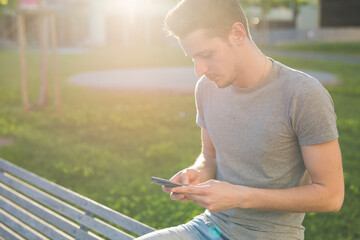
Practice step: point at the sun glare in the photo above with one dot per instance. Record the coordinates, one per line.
(133, 5)
(4, 2)
(126, 5)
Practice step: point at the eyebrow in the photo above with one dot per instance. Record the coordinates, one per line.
(202, 52)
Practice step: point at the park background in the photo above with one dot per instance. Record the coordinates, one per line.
(105, 144)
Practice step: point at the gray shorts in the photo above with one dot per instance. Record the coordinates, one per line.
(200, 228)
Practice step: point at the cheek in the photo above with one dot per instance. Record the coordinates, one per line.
(233, 63)
(219, 64)
(225, 63)
(212, 65)
(228, 59)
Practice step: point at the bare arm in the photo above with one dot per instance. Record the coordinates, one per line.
(325, 193)
(203, 169)
(206, 162)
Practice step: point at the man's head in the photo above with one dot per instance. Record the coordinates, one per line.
(214, 16)
(215, 34)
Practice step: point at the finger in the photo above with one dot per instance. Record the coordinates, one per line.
(189, 189)
(192, 175)
(207, 183)
(166, 189)
(177, 196)
(184, 200)
(185, 177)
(196, 197)
(176, 178)
(200, 200)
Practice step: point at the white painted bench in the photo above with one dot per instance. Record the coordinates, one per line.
(32, 207)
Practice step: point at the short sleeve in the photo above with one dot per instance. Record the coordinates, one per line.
(199, 105)
(312, 115)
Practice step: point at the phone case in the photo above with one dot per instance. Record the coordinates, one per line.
(165, 182)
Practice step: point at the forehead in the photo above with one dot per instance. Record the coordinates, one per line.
(200, 41)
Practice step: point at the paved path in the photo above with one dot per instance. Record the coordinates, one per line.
(5, 141)
(183, 79)
(178, 79)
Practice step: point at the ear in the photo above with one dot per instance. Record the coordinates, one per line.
(237, 33)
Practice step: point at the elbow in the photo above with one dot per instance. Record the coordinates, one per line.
(334, 207)
(336, 202)
(337, 205)
(331, 201)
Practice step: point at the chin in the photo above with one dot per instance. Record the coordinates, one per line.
(222, 84)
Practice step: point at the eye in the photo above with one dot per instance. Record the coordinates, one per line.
(206, 55)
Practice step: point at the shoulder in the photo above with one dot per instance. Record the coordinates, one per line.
(299, 83)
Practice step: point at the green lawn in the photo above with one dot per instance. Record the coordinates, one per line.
(107, 144)
(343, 48)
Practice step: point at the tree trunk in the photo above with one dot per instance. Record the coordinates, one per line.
(54, 61)
(22, 46)
(43, 94)
(295, 11)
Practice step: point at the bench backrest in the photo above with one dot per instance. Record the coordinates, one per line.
(32, 207)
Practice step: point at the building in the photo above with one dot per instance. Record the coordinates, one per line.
(89, 23)
(339, 13)
(319, 21)
(127, 21)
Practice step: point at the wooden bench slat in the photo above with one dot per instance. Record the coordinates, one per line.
(43, 228)
(44, 213)
(63, 208)
(18, 227)
(7, 234)
(74, 198)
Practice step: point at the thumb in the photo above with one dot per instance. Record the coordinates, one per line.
(185, 178)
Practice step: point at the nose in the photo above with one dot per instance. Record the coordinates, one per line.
(200, 68)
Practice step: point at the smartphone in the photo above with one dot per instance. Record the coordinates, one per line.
(164, 182)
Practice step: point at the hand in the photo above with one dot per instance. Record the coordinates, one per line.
(213, 195)
(188, 176)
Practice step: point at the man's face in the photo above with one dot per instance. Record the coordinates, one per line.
(213, 57)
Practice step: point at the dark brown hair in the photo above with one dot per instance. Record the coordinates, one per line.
(217, 16)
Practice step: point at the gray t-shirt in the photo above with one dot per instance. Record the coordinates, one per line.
(257, 133)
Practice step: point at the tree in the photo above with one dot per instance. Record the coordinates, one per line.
(8, 6)
(266, 5)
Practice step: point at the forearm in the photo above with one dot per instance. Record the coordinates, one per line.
(324, 194)
(308, 198)
(206, 166)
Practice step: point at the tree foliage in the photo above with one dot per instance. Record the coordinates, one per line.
(8, 6)
(266, 5)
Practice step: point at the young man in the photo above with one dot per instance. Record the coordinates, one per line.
(269, 140)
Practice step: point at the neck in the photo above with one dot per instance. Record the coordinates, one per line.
(253, 66)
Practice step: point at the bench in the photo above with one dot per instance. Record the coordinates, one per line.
(32, 207)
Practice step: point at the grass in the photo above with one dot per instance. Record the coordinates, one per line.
(342, 48)
(107, 144)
